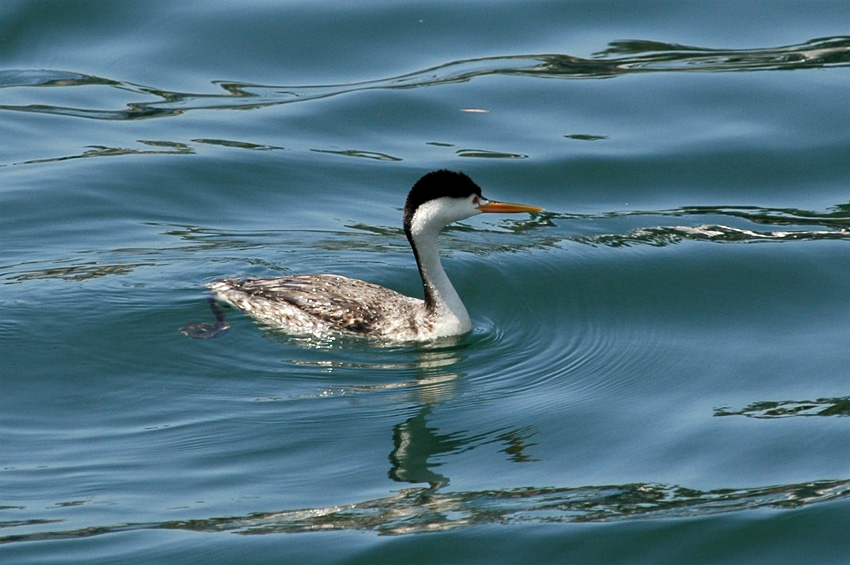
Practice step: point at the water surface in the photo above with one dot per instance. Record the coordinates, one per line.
(658, 366)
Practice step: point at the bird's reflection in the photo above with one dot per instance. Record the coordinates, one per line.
(417, 445)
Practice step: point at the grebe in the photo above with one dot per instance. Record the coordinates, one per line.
(322, 303)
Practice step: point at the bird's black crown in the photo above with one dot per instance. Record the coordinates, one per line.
(437, 184)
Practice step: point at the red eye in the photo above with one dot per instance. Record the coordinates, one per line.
(475, 200)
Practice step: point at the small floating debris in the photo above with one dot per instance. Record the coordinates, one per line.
(586, 137)
(486, 154)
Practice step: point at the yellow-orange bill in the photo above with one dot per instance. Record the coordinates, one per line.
(507, 207)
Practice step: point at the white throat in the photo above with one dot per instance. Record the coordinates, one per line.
(444, 303)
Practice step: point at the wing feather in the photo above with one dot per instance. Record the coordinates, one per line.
(342, 303)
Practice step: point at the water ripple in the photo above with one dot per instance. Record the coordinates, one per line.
(588, 356)
(666, 235)
(421, 510)
(783, 224)
(621, 57)
(771, 409)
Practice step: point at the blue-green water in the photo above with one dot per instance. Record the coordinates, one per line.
(659, 367)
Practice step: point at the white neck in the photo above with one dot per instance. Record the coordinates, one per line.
(442, 300)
